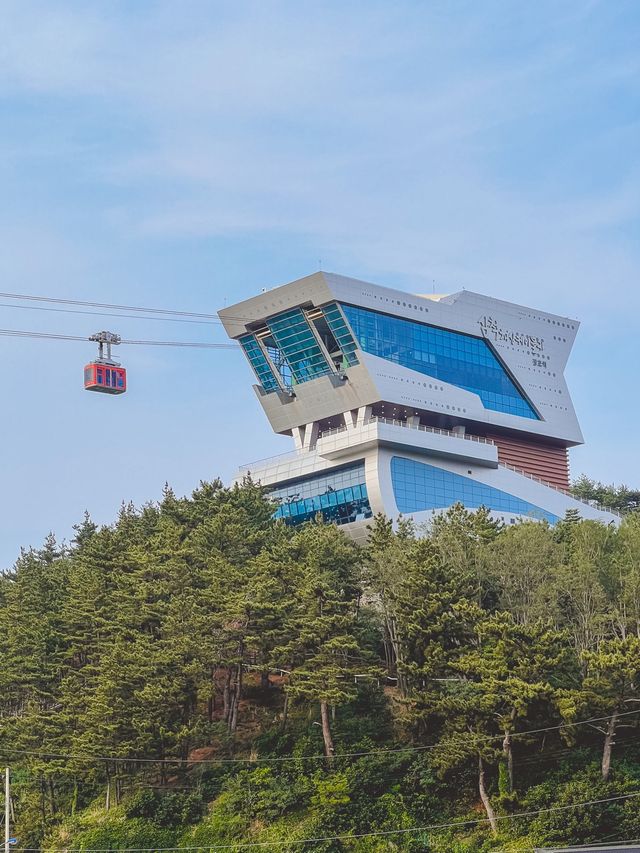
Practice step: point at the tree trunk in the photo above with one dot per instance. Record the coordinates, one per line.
(507, 749)
(397, 654)
(107, 799)
(163, 766)
(43, 803)
(235, 700)
(264, 679)
(226, 693)
(484, 796)
(285, 712)
(329, 748)
(52, 797)
(211, 701)
(608, 745)
(388, 652)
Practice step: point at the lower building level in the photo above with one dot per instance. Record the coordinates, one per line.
(373, 465)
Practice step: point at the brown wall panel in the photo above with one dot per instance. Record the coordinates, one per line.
(550, 464)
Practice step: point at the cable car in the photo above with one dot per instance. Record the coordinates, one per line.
(104, 374)
(104, 377)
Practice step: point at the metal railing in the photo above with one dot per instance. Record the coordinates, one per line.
(567, 492)
(262, 463)
(437, 430)
(393, 422)
(332, 431)
(482, 440)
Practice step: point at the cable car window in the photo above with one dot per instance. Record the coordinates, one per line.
(99, 374)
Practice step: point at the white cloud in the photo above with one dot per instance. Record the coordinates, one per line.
(492, 146)
(375, 130)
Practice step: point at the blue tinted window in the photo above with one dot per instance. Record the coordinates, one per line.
(340, 495)
(341, 333)
(418, 486)
(258, 361)
(296, 342)
(462, 360)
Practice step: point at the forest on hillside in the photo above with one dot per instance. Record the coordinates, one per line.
(199, 675)
(621, 498)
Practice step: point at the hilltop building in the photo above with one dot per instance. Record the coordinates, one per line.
(407, 404)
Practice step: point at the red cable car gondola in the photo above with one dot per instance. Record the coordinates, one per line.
(105, 377)
(104, 374)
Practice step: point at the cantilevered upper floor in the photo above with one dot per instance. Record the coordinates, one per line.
(327, 345)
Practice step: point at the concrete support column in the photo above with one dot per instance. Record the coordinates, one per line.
(298, 436)
(459, 430)
(413, 420)
(364, 413)
(310, 436)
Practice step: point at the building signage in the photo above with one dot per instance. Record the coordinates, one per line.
(490, 329)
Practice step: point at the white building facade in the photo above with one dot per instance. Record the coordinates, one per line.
(407, 404)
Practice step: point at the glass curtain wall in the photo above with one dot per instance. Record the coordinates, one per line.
(418, 486)
(293, 337)
(340, 495)
(261, 367)
(459, 359)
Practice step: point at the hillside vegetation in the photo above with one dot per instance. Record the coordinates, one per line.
(200, 675)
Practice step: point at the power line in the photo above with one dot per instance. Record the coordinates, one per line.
(346, 837)
(19, 333)
(211, 318)
(59, 301)
(549, 755)
(284, 758)
(107, 314)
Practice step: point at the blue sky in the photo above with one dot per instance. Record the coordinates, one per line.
(189, 154)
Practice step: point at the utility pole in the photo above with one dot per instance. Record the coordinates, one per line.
(7, 810)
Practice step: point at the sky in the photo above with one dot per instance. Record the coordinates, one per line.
(187, 155)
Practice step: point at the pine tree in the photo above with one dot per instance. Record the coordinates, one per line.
(611, 687)
(324, 649)
(513, 669)
(385, 565)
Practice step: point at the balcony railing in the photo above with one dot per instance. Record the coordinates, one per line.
(437, 430)
(421, 427)
(295, 454)
(263, 463)
(567, 492)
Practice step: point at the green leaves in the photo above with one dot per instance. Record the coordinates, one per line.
(200, 627)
